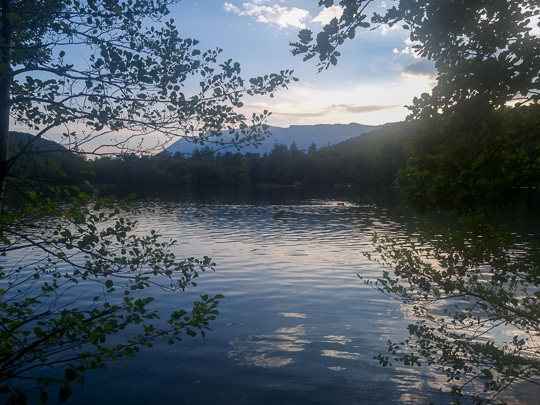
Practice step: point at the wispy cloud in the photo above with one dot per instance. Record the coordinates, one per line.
(328, 14)
(408, 49)
(422, 67)
(270, 12)
(300, 114)
(359, 109)
(344, 101)
(345, 110)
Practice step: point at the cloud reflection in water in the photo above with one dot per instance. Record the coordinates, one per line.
(269, 350)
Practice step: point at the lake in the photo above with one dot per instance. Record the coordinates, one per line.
(296, 326)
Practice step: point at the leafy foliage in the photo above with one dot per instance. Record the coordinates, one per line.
(484, 51)
(466, 164)
(475, 290)
(140, 78)
(474, 146)
(83, 275)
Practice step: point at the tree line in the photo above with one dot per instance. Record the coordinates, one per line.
(371, 159)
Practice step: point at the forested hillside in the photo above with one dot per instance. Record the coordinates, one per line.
(369, 159)
(41, 163)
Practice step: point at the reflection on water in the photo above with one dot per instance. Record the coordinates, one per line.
(340, 355)
(267, 350)
(296, 325)
(293, 315)
(338, 339)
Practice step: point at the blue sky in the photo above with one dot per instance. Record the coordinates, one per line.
(375, 77)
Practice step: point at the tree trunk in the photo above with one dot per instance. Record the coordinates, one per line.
(6, 42)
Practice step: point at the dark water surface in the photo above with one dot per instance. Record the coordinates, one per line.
(296, 325)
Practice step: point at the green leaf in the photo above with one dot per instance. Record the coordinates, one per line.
(486, 374)
(71, 375)
(64, 393)
(43, 398)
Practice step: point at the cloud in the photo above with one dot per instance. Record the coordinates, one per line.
(422, 67)
(360, 109)
(335, 109)
(408, 50)
(328, 14)
(300, 114)
(231, 8)
(275, 14)
(366, 101)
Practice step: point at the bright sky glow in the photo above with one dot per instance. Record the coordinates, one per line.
(377, 75)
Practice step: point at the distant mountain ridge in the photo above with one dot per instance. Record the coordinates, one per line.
(20, 139)
(303, 135)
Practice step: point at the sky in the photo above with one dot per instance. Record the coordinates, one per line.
(377, 75)
(375, 78)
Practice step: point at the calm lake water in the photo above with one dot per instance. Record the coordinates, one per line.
(296, 326)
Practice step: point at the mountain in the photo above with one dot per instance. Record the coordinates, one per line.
(302, 135)
(19, 140)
